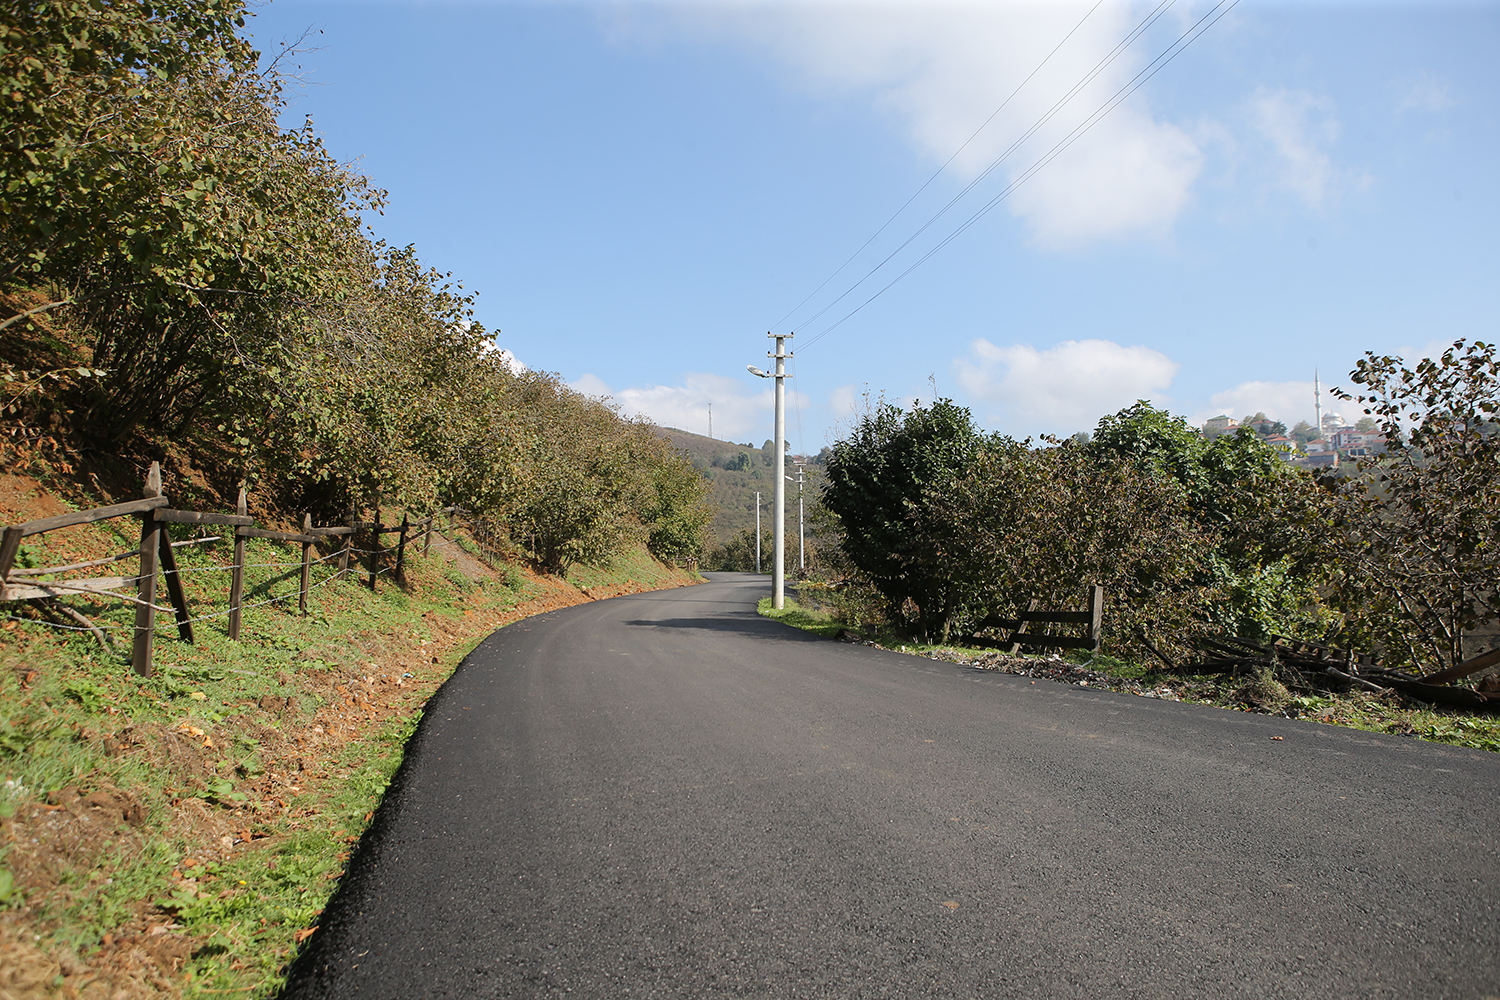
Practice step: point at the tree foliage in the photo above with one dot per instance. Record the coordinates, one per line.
(214, 272)
(879, 479)
(1422, 521)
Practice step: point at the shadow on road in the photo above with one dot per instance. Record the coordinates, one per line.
(749, 624)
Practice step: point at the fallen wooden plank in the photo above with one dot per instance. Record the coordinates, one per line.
(1464, 669)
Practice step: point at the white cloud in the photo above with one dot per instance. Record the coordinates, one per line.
(1424, 93)
(742, 411)
(843, 402)
(1064, 388)
(942, 69)
(509, 360)
(1299, 127)
(1288, 402)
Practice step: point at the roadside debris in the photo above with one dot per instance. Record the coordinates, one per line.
(1308, 666)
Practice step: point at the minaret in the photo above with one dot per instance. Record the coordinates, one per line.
(1318, 403)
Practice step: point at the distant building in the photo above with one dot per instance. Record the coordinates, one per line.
(1358, 444)
(1320, 460)
(1221, 424)
(1285, 445)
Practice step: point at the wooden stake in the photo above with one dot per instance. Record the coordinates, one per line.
(9, 546)
(375, 549)
(237, 571)
(174, 583)
(348, 545)
(145, 612)
(306, 564)
(1096, 616)
(401, 550)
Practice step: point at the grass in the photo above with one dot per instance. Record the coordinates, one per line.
(237, 779)
(1357, 710)
(807, 619)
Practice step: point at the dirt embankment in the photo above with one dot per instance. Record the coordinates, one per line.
(178, 836)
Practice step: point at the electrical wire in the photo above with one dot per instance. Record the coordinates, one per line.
(1120, 48)
(1154, 67)
(946, 163)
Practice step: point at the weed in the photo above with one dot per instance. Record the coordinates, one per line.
(793, 614)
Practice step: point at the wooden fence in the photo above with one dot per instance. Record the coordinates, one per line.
(1020, 626)
(157, 556)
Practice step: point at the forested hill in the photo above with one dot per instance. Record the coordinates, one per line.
(734, 473)
(183, 279)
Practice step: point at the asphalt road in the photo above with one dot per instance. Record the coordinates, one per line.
(665, 795)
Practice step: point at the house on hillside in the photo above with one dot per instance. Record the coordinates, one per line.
(1284, 445)
(1222, 424)
(1320, 460)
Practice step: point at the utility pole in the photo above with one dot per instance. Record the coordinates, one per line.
(757, 531)
(710, 421)
(801, 528)
(801, 531)
(778, 516)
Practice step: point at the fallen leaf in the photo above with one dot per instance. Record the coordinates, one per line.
(304, 934)
(1275, 737)
(950, 904)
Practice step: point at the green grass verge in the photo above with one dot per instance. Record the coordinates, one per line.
(795, 615)
(1357, 710)
(290, 735)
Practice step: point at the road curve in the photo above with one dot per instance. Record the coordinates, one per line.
(665, 795)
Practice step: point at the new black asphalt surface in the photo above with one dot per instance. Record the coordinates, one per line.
(665, 795)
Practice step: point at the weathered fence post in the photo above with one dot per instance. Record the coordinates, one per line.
(9, 546)
(427, 535)
(348, 545)
(173, 581)
(401, 550)
(145, 612)
(306, 564)
(1096, 616)
(375, 549)
(237, 571)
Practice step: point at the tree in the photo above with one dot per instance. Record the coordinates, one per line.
(1423, 518)
(879, 480)
(1264, 521)
(1043, 524)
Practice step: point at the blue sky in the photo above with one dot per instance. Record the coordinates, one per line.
(639, 192)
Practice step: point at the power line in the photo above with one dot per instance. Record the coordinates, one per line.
(1155, 66)
(939, 171)
(1067, 98)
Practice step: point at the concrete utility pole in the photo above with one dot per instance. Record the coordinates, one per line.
(757, 531)
(801, 523)
(778, 516)
(801, 531)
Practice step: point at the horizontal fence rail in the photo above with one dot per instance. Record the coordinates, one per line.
(1020, 626)
(158, 562)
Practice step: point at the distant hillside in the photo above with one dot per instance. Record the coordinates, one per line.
(734, 480)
